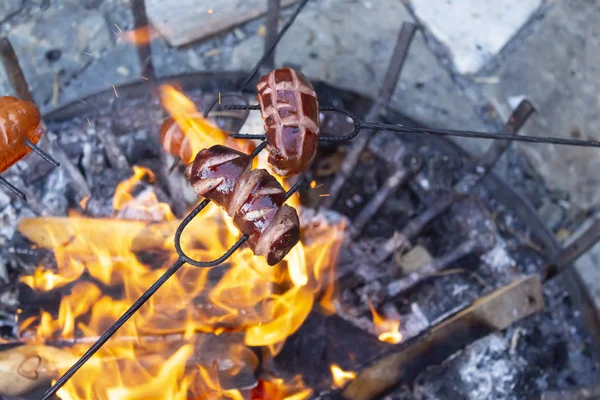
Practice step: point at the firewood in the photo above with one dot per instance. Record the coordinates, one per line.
(75, 233)
(493, 312)
(26, 368)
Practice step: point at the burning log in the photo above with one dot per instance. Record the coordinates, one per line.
(401, 240)
(76, 233)
(493, 312)
(26, 368)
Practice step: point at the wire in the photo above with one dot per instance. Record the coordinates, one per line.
(360, 125)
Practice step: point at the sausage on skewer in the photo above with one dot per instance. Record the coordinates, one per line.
(290, 110)
(19, 121)
(253, 198)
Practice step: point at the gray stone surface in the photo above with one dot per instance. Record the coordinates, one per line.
(474, 31)
(54, 46)
(9, 7)
(349, 44)
(556, 67)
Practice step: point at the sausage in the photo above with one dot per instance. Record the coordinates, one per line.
(175, 142)
(253, 198)
(19, 120)
(290, 110)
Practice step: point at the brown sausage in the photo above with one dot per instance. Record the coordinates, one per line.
(175, 142)
(19, 121)
(289, 107)
(253, 198)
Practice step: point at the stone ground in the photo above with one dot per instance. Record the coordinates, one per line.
(469, 65)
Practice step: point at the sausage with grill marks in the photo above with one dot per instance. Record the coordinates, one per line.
(290, 110)
(253, 198)
(19, 120)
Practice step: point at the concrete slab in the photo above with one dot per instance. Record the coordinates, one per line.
(557, 68)
(474, 31)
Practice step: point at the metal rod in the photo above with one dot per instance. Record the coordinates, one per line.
(414, 227)
(584, 240)
(15, 75)
(412, 164)
(277, 39)
(12, 188)
(142, 33)
(272, 22)
(385, 92)
(41, 153)
(114, 328)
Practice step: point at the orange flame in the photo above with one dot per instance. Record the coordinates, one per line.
(340, 377)
(143, 361)
(388, 329)
(140, 36)
(277, 389)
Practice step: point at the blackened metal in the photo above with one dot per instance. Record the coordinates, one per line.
(584, 241)
(41, 153)
(272, 23)
(142, 34)
(385, 92)
(275, 42)
(401, 241)
(12, 188)
(15, 75)
(412, 165)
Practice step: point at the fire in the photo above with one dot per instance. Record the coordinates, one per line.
(340, 377)
(109, 262)
(140, 36)
(277, 389)
(388, 329)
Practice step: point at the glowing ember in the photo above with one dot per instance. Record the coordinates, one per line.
(265, 304)
(340, 377)
(389, 330)
(277, 389)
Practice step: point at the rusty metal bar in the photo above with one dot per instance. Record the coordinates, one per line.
(385, 93)
(272, 23)
(142, 33)
(10, 61)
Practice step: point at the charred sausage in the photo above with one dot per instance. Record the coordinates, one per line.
(253, 198)
(290, 110)
(19, 120)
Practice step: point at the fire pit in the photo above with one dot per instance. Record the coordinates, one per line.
(420, 274)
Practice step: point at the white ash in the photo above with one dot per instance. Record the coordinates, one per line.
(484, 370)
(498, 258)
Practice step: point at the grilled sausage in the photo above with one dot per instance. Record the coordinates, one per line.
(253, 198)
(19, 120)
(175, 142)
(290, 110)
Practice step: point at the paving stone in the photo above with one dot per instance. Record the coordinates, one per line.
(55, 45)
(8, 8)
(328, 44)
(557, 68)
(474, 31)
